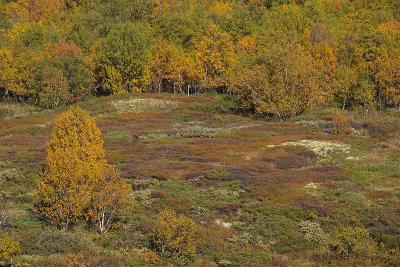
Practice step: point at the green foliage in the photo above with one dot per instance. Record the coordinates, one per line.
(123, 58)
(197, 197)
(58, 81)
(183, 117)
(200, 106)
(217, 173)
(224, 118)
(117, 136)
(32, 130)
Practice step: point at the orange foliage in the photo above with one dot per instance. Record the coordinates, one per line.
(67, 49)
(75, 168)
(109, 196)
(342, 126)
(34, 9)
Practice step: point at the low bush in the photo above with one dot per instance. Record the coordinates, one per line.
(217, 173)
(8, 247)
(175, 236)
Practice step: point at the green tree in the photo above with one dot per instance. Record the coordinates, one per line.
(123, 57)
(58, 81)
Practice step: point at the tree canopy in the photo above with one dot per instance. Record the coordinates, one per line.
(301, 54)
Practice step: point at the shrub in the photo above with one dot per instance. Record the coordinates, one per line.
(175, 236)
(313, 232)
(227, 102)
(109, 196)
(8, 247)
(342, 126)
(217, 173)
(150, 257)
(354, 240)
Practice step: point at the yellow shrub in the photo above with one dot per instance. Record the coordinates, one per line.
(175, 236)
(8, 247)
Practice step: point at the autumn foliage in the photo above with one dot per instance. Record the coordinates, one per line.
(8, 247)
(304, 54)
(77, 180)
(175, 236)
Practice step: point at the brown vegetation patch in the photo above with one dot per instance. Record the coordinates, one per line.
(323, 208)
(287, 162)
(379, 194)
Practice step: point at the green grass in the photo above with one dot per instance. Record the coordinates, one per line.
(119, 135)
(226, 118)
(5, 113)
(200, 106)
(204, 198)
(32, 130)
(269, 134)
(231, 153)
(183, 117)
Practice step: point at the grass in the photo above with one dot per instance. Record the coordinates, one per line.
(183, 117)
(32, 130)
(225, 118)
(119, 135)
(200, 106)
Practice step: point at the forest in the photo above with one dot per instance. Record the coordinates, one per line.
(278, 57)
(199, 133)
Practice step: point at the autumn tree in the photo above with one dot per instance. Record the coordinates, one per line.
(16, 69)
(77, 180)
(214, 51)
(175, 236)
(282, 81)
(109, 196)
(161, 64)
(386, 73)
(72, 164)
(345, 81)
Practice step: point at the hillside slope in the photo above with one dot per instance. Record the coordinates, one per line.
(264, 193)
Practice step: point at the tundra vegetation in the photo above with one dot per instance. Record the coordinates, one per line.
(201, 133)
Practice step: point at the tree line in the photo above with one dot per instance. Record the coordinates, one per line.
(278, 57)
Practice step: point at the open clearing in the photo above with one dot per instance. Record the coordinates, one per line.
(255, 186)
